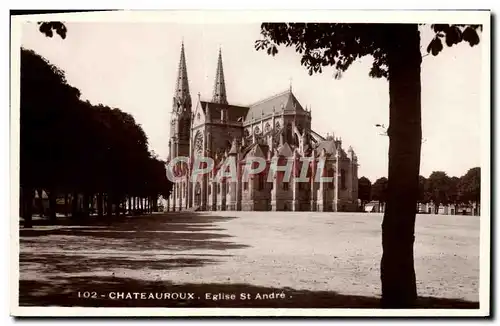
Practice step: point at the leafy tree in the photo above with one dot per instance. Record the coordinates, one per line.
(438, 189)
(469, 186)
(395, 49)
(48, 28)
(423, 196)
(45, 97)
(94, 152)
(453, 195)
(379, 190)
(364, 190)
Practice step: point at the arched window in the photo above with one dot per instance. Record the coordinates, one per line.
(342, 179)
(289, 133)
(261, 181)
(198, 142)
(267, 128)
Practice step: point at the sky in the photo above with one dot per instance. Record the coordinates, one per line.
(133, 66)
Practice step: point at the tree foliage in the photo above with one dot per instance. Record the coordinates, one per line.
(48, 28)
(437, 187)
(379, 190)
(469, 186)
(72, 146)
(339, 45)
(364, 190)
(440, 189)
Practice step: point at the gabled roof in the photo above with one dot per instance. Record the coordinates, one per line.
(234, 147)
(328, 145)
(235, 113)
(285, 101)
(259, 150)
(285, 150)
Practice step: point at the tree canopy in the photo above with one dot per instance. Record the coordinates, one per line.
(339, 45)
(364, 189)
(72, 146)
(440, 189)
(379, 190)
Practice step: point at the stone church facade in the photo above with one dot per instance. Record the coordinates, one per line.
(275, 128)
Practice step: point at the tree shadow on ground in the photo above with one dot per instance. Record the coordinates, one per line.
(60, 263)
(104, 291)
(178, 232)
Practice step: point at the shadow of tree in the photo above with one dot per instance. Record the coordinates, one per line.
(104, 291)
(180, 231)
(124, 243)
(54, 263)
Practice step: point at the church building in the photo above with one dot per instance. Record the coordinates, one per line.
(278, 128)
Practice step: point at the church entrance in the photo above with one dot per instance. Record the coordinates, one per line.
(197, 195)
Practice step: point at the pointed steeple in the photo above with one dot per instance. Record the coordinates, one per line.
(182, 95)
(219, 95)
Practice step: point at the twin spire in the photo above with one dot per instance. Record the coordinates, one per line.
(219, 95)
(182, 87)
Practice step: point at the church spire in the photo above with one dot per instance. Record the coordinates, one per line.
(182, 95)
(219, 95)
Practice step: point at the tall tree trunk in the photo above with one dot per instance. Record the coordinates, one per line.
(99, 205)
(66, 204)
(405, 134)
(74, 205)
(51, 193)
(85, 204)
(109, 205)
(39, 203)
(27, 206)
(117, 206)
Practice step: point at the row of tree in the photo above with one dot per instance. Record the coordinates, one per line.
(93, 155)
(438, 188)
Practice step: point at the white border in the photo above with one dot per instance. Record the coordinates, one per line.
(232, 17)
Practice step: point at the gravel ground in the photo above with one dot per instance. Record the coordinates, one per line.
(316, 259)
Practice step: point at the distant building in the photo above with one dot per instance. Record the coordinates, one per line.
(461, 209)
(277, 127)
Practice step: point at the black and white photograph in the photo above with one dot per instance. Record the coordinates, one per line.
(250, 163)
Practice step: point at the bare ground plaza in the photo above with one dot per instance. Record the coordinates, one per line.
(242, 259)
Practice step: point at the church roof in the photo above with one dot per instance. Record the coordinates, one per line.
(285, 150)
(235, 113)
(328, 145)
(234, 148)
(256, 150)
(285, 101)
